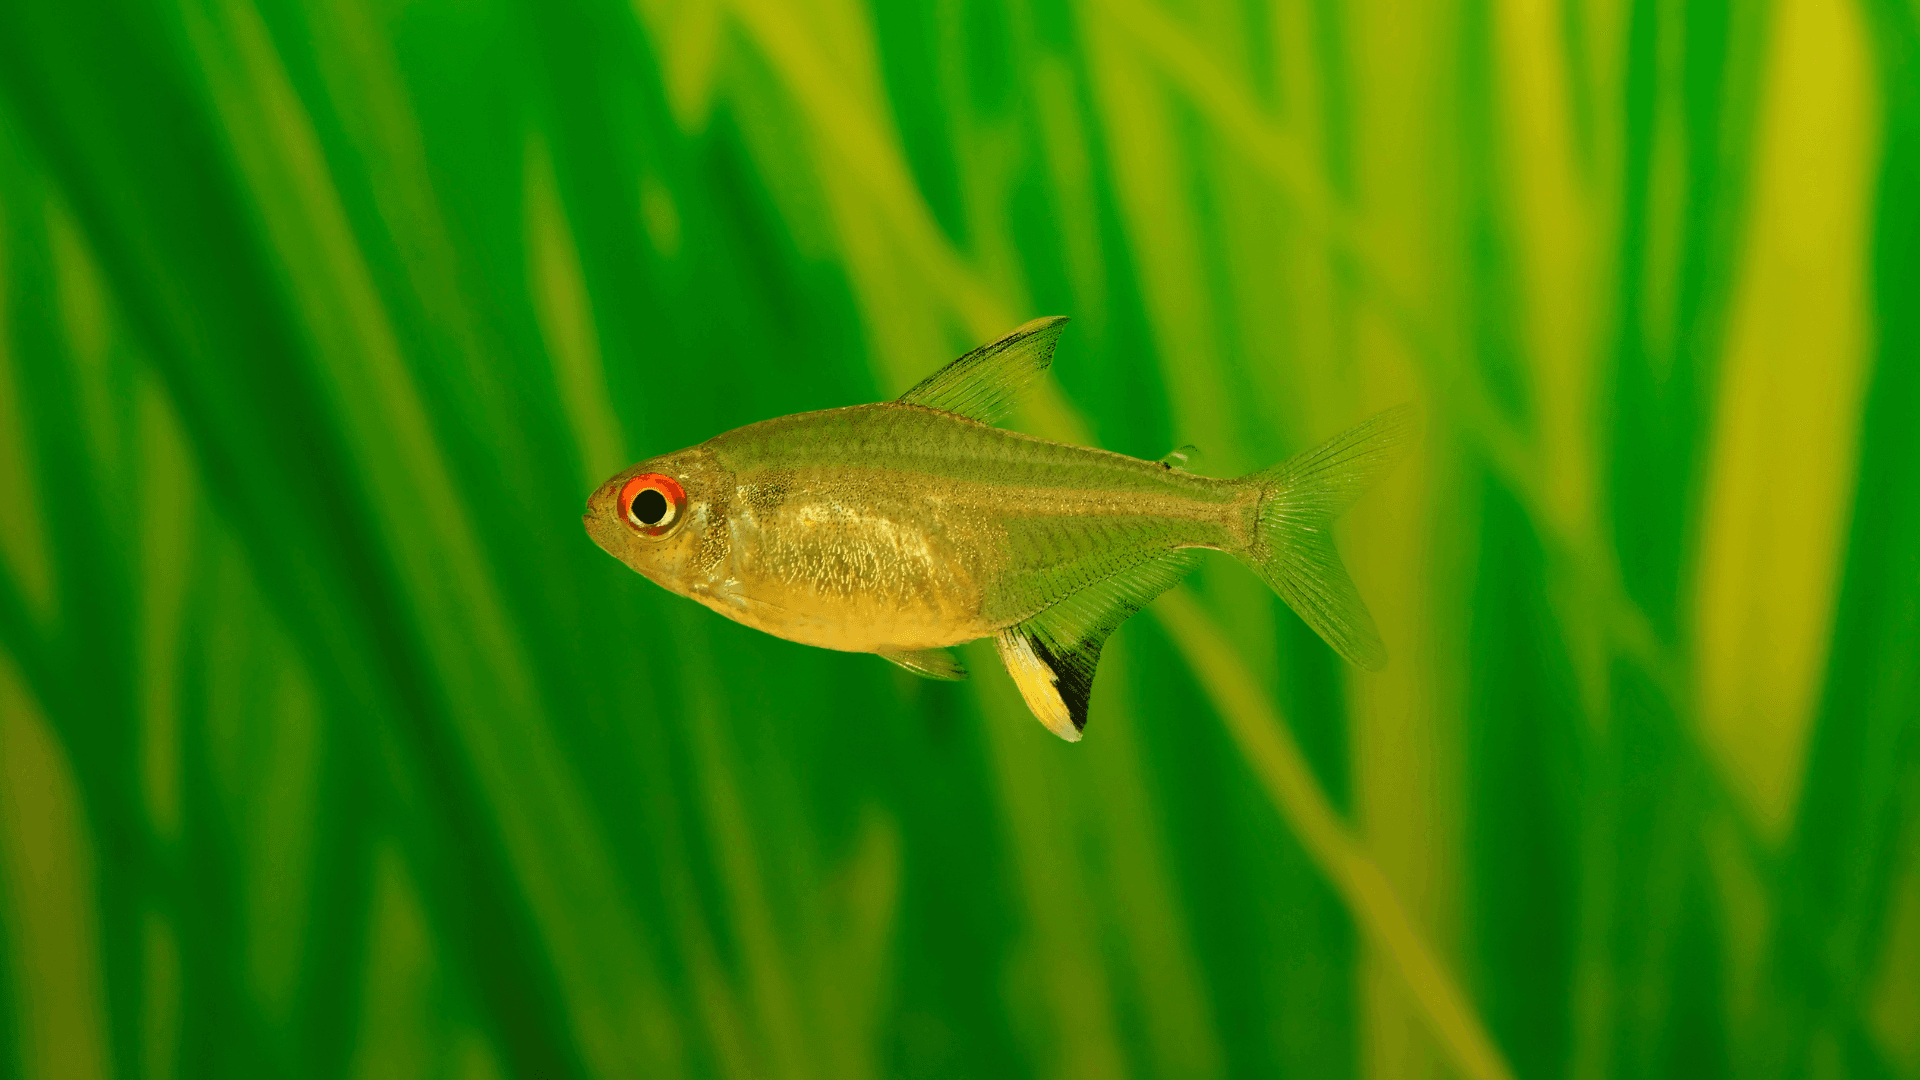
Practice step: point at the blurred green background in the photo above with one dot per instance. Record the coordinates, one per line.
(331, 747)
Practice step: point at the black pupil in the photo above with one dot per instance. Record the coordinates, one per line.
(649, 507)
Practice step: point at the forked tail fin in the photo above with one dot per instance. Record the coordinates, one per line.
(1293, 541)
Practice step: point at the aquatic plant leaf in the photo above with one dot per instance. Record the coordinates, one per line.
(984, 384)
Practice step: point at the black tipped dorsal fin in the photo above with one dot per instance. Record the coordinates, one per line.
(1052, 656)
(929, 663)
(983, 384)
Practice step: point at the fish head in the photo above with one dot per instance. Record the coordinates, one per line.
(653, 516)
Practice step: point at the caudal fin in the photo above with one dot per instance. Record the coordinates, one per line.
(1293, 540)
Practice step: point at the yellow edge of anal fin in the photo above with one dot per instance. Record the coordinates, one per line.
(1038, 683)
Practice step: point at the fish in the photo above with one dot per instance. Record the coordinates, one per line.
(905, 528)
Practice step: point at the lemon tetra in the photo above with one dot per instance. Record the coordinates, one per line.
(907, 527)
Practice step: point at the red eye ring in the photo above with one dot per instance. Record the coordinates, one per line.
(665, 511)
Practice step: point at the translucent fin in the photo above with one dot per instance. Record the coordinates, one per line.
(929, 663)
(1052, 656)
(1179, 458)
(983, 384)
(1293, 545)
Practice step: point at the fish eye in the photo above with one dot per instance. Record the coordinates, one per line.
(649, 506)
(652, 503)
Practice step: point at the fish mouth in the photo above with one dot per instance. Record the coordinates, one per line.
(596, 528)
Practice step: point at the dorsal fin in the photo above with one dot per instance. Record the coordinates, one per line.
(983, 384)
(929, 663)
(1052, 656)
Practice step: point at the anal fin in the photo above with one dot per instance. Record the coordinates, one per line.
(929, 663)
(1052, 656)
(1056, 687)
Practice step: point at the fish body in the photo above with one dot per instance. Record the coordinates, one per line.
(895, 527)
(905, 527)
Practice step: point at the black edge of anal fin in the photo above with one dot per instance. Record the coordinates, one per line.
(1056, 683)
(1073, 670)
(984, 384)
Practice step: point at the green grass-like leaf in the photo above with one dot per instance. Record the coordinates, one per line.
(330, 747)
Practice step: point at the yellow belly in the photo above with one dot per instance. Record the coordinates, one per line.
(867, 582)
(850, 624)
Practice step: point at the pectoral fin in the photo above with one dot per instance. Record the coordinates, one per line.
(983, 384)
(1052, 656)
(929, 663)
